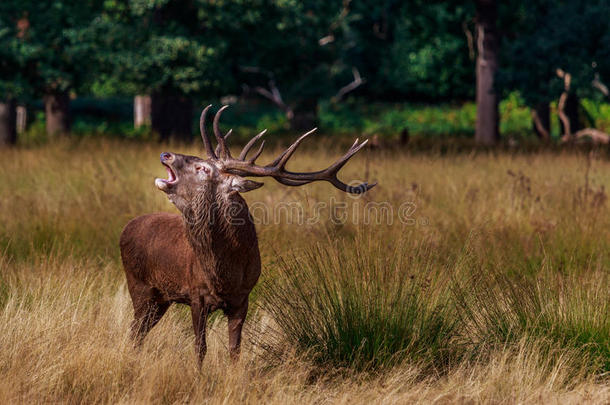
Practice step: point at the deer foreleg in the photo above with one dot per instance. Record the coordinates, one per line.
(199, 313)
(236, 317)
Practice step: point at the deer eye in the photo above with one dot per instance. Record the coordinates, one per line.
(200, 168)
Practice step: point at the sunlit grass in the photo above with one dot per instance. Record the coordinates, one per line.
(362, 306)
(492, 287)
(568, 313)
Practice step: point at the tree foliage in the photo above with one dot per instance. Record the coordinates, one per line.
(157, 46)
(542, 36)
(429, 57)
(43, 41)
(295, 53)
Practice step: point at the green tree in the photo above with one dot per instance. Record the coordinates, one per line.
(428, 55)
(166, 49)
(54, 58)
(296, 53)
(290, 52)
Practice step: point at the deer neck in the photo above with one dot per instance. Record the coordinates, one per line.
(218, 226)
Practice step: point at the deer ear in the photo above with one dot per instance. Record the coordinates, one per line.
(242, 185)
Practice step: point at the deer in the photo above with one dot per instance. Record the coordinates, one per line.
(207, 256)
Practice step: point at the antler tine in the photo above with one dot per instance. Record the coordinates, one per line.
(281, 160)
(257, 154)
(204, 135)
(330, 173)
(249, 145)
(359, 189)
(335, 167)
(224, 151)
(225, 138)
(294, 147)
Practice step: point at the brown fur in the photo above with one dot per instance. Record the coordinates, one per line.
(207, 258)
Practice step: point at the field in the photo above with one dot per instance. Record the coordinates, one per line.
(469, 277)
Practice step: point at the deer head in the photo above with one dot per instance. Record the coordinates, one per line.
(189, 175)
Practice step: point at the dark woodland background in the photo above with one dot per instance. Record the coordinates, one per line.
(144, 68)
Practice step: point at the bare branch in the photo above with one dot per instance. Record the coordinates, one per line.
(539, 127)
(562, 115)
(350, 87)
(567, 79)
(469, 40)
(256, 69)
(597, 83)
(273, 94)
(335, 24)
(595, 135)
(326, 40)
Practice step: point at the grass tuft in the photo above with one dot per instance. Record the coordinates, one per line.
(361, 307)
(572, 315)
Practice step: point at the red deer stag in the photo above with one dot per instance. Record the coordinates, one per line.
(207, 257)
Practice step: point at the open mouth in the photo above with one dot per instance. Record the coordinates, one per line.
(164, 184)
(171, 176)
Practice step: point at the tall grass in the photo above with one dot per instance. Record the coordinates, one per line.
(364, 308)
(571, 314)
(494, 289)
(377, 308)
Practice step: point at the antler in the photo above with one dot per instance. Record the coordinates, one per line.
(277, 168)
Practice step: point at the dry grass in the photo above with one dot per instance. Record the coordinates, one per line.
(539, 219)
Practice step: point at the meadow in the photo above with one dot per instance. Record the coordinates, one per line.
(464, 277)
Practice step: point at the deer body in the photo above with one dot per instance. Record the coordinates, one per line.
(208, 256)
(202, 258)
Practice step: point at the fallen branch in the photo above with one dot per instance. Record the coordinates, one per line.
(595, 135)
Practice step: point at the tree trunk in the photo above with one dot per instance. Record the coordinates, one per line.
(304, 116)
(172, 116)
(57, 113)
(487, 64)
(571, 111)
(141, 111)
(8, 121)
(22, 119)
(541, 121)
